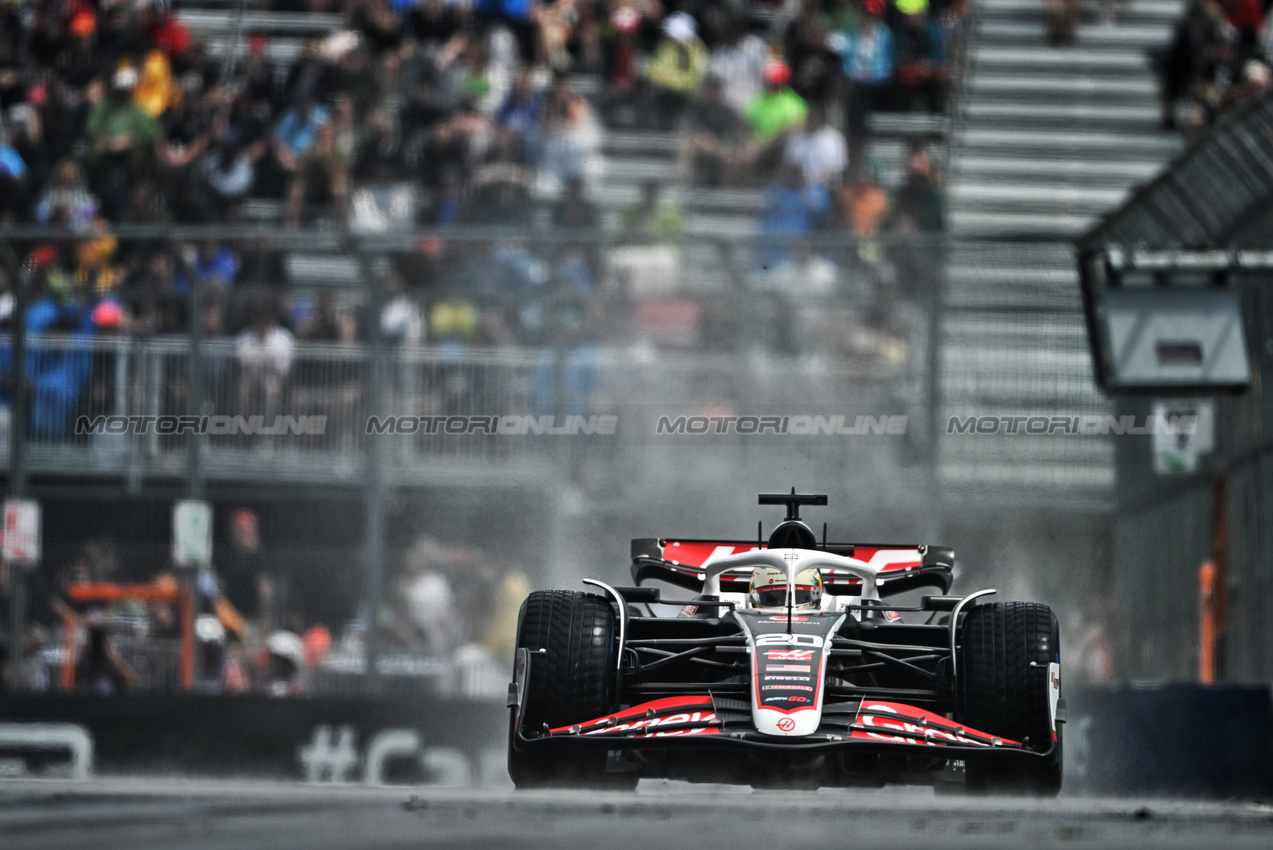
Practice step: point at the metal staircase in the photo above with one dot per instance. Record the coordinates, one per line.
(1053, 136)
(1047, 140)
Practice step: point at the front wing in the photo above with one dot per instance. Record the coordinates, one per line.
(706, 721)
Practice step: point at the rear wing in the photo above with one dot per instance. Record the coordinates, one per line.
(901, 567)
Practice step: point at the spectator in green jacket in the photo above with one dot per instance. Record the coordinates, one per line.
(117, 125)
(676, 70)
(772, 116)
(121, 140)
(648, 265)
(778, 108)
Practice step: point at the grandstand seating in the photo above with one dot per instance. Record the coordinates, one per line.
(631, 157)
(628, 158)
(1051, 137)
(1047, 139)
(286, 31)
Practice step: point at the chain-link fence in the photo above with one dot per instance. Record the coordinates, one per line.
(1201, 501)
(400, 434)
(1174, 518)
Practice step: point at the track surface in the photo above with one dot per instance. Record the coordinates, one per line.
(134, 814)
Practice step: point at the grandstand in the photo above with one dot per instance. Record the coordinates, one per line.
(625, 158)
(1047, 140)
(1052, 139)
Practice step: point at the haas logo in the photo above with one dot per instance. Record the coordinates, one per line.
(1056, 680)
(786, 724)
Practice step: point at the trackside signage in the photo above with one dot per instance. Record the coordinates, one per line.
(192, 533)
(1181, 451)
(21, 531)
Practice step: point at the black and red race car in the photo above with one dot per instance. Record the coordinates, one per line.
(786, 666)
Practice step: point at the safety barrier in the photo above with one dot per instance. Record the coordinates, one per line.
(1173, 740)
(418, 740)
(1170, 740)
(70, 738)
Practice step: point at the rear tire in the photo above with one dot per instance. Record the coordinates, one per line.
(572, 681)
(1004, 695)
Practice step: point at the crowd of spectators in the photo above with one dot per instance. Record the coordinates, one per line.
(1219, 58)
(848, 57)
(437, 115)
(113, 114)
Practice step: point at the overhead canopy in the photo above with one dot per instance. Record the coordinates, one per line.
(1161, 316)
(1215, 195)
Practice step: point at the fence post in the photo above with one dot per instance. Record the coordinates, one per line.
(1220, 557)
(17, 459)
(932, 388)
(1207, 623)
(374, 490)
(194, 379)
(194, 461)
(18, 418)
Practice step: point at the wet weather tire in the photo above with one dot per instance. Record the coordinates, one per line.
(1004, 695)
(571, 680)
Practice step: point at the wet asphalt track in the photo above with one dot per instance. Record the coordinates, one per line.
(133, 814)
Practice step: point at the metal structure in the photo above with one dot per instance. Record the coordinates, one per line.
(1207, 198)
(1198, 229)
(89, 593)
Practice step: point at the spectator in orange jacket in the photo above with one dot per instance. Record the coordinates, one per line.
(865, 204)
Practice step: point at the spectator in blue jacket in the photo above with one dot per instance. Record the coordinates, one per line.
(215, 264)
(791, 209)
(13, 176)
(58, 372)
(523, 112)
(523, 107)
(294, 135)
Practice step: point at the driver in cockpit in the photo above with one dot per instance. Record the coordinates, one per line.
(768, 589)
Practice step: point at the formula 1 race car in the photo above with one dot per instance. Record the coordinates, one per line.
(786, 668)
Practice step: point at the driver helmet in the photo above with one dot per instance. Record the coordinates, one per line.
(769, 588)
